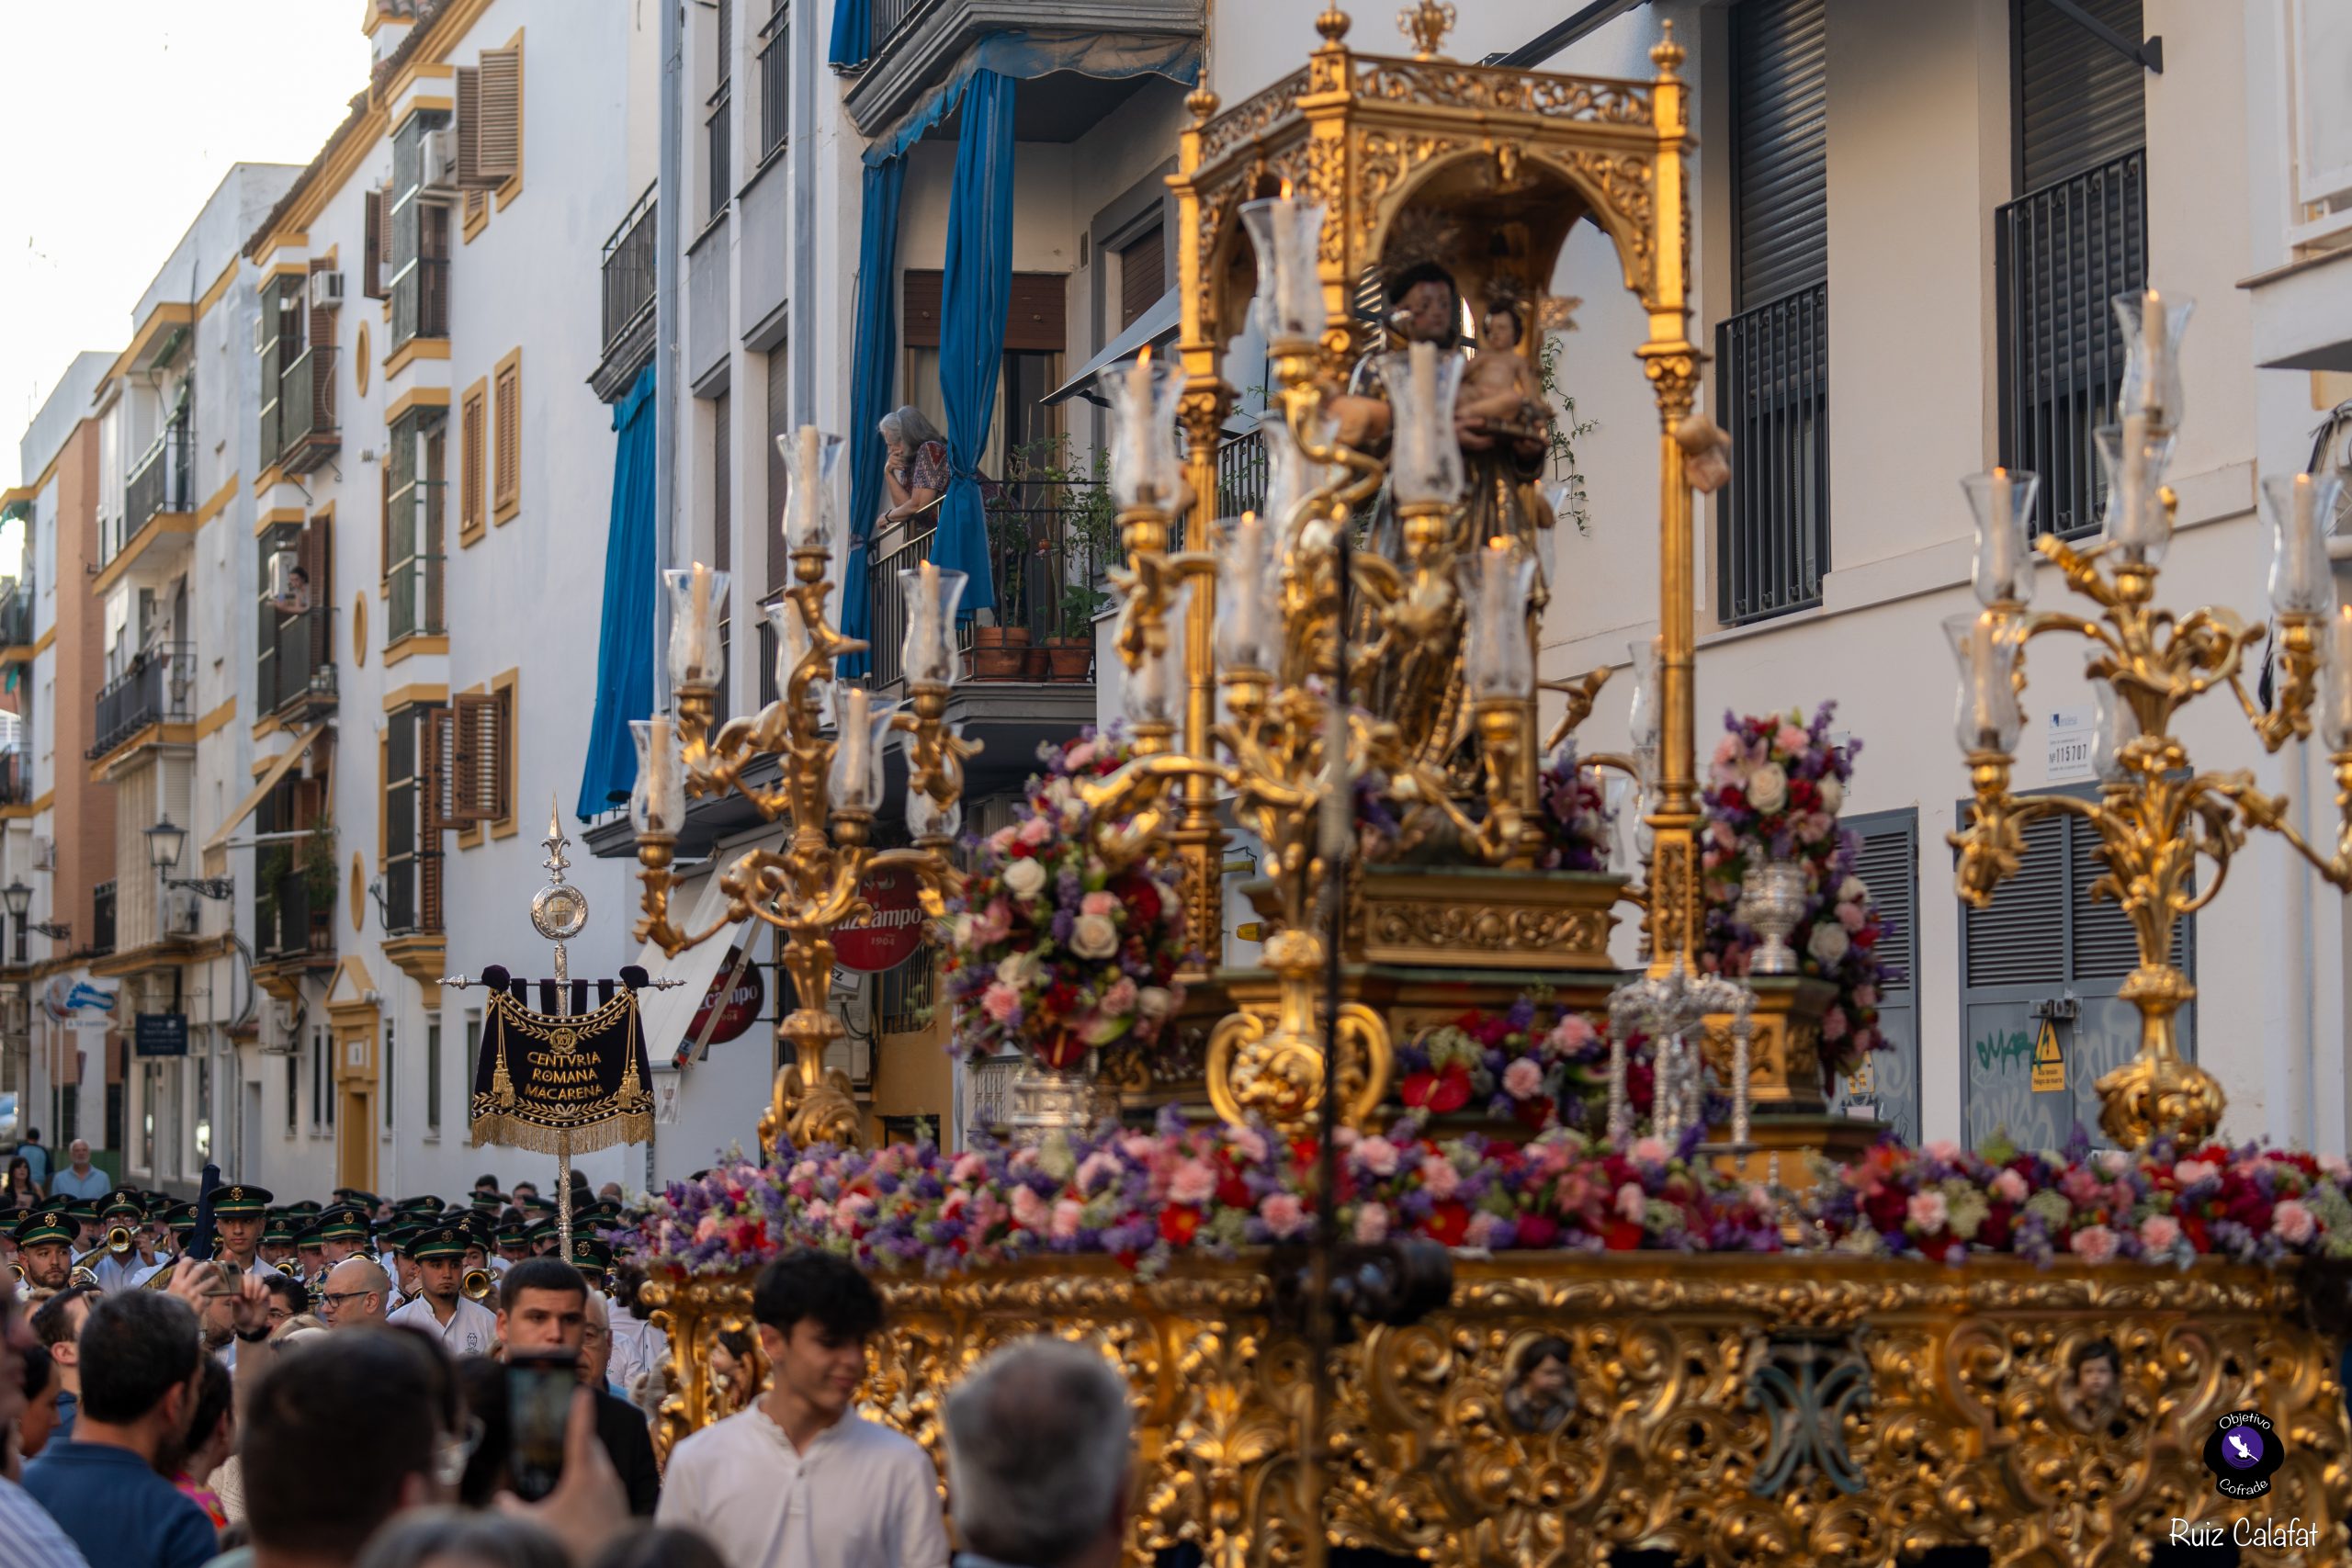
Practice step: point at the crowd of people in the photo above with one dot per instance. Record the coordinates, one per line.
(415, 1384)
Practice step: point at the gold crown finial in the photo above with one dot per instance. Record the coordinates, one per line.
(1667, 54)
(1333, 24)
(1427, 22)
(1203, 105)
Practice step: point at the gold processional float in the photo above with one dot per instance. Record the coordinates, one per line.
(1756, 1351)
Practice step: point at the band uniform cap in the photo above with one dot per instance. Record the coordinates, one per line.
(440, 1241)
(591, 1252)
(278, 1231)
(309, 1237)
(180, 1217)
(124, 1203)
(304, 1208)
(38, 1228)
(239, 1201)
(343, 1223)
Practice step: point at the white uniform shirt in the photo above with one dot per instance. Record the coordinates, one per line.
(120, 1273)
(637, 1347)
(472, 1330)
(861, 1496)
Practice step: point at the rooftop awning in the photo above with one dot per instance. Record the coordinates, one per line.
(261, 786)
(1156, 326)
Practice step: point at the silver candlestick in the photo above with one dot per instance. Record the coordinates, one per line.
(1672, 1009)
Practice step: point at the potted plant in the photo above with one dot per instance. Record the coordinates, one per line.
(1071, 655)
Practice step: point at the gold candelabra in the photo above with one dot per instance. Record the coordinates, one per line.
(830, 743)
(2156, 815)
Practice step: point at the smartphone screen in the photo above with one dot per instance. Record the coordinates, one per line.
(539, 1386)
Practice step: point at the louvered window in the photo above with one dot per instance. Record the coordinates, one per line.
(1888, 863)
(507, 408)
(1143, 277)
(482, 765)
(2075, 237)
(472, 458)
(490, 119)
(1772, 375)
(412, 832)
(2043, 946)
(372, 246)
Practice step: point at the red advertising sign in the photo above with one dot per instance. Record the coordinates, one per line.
(888, 937)
(736, 1009)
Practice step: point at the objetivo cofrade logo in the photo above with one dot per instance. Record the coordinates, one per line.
(2244, 1453)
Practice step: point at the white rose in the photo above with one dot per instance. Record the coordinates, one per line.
(1153, 1001)
(1768, 788)
(1833, 794)
(1828, 941)
(1094, 936)
(1024, 878)
(1018, 969)
(1853, 890)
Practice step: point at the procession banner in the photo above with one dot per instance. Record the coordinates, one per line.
(562, 1084)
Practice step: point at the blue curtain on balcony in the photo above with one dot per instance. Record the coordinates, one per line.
(872, 379)
(1110, 57)
(978, 291)
(624, 644)
(851, 27)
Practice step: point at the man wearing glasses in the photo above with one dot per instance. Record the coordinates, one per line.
(354, 1295)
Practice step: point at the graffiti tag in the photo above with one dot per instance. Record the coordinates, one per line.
(2009, 1051)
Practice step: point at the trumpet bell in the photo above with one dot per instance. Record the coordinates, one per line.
(476, 1284)
(118, 1240)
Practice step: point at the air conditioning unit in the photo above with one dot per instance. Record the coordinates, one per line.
(326, 290)
(182, 915)
(44, 852)
(441, 159)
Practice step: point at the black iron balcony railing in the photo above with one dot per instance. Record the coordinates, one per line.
(888, 16)
(306, 410)
(15, 615)
(1047, 562)
(162, 480)
(629, 271)
(716, 146)
(2061, 255)
(287, 926)
(16, 775)
(154, 690)
(421, 301)
(102, 918)
(1772, 395)
(1241, 474)
(298, 669)
(776, 79)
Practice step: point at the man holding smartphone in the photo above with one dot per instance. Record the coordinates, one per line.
(543, 1313)
(798, 1479)
(467, 1329)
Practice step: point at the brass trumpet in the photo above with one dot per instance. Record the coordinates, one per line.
(476, 1284)
(118, 1240)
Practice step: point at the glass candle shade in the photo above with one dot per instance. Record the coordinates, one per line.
(2336, 679)
(792, 645)
(812, 461)
(1498, 659)
(2113, 726)
(1424, 460)
(1249, 599)
(1644, 722)
(926, 819)
(2134, 455)
(928, 654)
(2300, 507)
(854, 781)
(2153, 326)
(1985, 648)
(1288, 234)
(657, 804)
(697, 596)
(1145, 469)
(1155, 689)
(2003, 502)
(1291, 477)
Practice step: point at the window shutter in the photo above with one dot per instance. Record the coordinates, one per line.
(384, 513)
(779, 415)
(919, 309)
(1889, 867)
(440, 749)
(2080, 104)
(1035, 319)
(470, 463)
(508, 412)
(469, 95)
(722, 498)
(1143, 275)
(481, 760)
(432, 779)
(2019, 938)
(1779, 92)
(498, 144)
(372, 259)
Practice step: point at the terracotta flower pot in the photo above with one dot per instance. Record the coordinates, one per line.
(1072, 658)
(1038, 668)
(999, 663)
(1000, 637)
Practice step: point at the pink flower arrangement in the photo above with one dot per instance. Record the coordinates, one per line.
(1774, 789)
(1574, 815)
(1055, 949)
(1537, 1066)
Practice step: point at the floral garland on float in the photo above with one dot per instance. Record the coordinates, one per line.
(1055, 949)
(1147, 1198)
(1538, 1067)
(1774, 788)
(1578, 828)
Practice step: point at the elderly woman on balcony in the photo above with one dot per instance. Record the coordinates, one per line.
(916, 468)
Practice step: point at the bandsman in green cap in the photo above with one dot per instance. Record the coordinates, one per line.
(125, 1255)
(45, 1249)
(465, 1328)
(239, 1212)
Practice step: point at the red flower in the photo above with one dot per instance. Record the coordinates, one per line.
(1138, 895)
(1936, 1245)
(1234, 1193)
(1060, 1050)
(1538, 1230)
(1453, 1091)
(1995, 1232)
(1731, 797)
(1533, 1113)
(1448, 1222)
(1623, 1235)
(1177, 1223)
(1886, 1207)
(1415, 1090)
(1060, 997)
(2193, 1227)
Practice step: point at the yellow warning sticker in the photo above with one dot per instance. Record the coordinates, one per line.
(2048, 1066)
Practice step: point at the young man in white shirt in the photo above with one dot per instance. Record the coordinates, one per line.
(465, 1328)
(798, 1479)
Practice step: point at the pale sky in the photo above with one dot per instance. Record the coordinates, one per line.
(120, 117)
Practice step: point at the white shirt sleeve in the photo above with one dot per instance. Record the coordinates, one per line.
(681, 1501)
(922, 1535)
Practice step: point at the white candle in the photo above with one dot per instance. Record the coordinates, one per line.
(922, 628)
(1134, 446)
(2155, 351)
(2131, 483)
(811, 495)
(1248, 601)
(698, 625)
(1418, 437)
(661, 799)
(2003, 522)
(856, 732)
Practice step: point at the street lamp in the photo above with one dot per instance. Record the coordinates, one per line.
(165, 840)
(18, 900)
